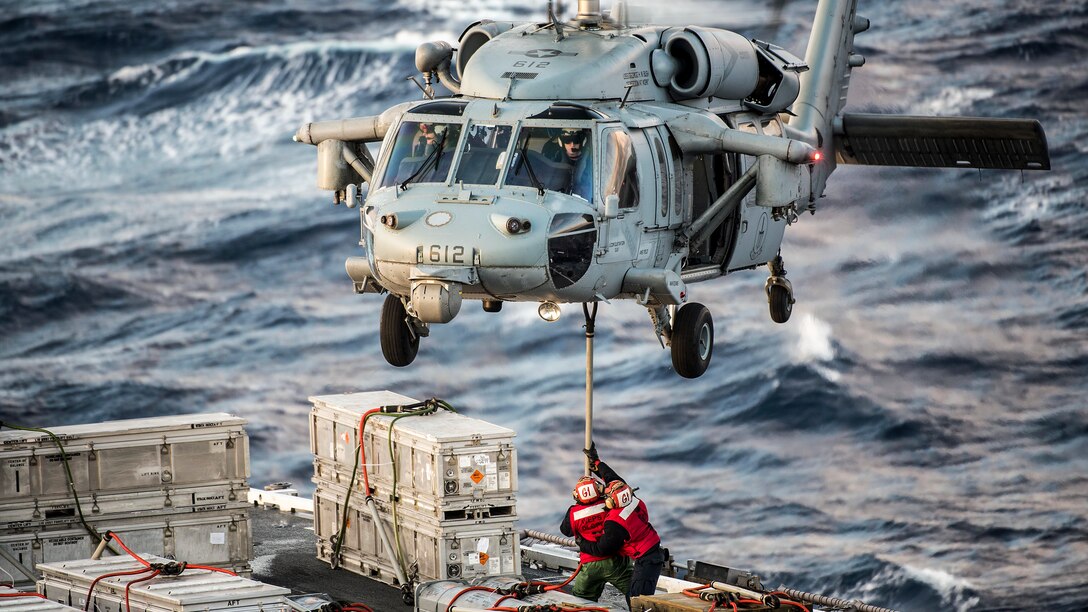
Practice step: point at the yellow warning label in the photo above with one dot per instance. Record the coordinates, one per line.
(483, 558)
(477, 476)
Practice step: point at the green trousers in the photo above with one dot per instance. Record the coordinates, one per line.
(589, 583)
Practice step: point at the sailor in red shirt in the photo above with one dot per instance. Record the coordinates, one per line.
(627, 531)
(585, 520)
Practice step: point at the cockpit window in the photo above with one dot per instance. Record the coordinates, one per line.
(620, 170)
(422, 153)
(556, 159)
(484, 154)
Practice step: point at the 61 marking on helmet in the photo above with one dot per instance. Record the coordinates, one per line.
(587, 490)
(618, 493)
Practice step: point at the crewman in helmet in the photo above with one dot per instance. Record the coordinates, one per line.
(584, 520)
(627, 530)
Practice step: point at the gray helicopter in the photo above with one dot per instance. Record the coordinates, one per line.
(594, 159)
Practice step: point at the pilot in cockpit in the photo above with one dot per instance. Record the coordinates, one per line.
(424, 140)
(577, 153)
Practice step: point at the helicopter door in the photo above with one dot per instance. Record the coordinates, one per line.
(659, 209)
(662, 181)
(619, 175)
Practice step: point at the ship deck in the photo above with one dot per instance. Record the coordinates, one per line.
(285, 554)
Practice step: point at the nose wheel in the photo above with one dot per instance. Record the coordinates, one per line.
(779, 292)
(692, 340)
(400, 340)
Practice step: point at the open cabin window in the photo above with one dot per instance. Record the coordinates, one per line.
(422, 153)
(557, 159)
(483, 154)
(619, 168)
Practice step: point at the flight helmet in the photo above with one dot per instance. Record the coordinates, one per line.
(587, 490)
(618, 494)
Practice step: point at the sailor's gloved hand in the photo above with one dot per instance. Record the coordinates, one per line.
(594, 459)
(580, 541)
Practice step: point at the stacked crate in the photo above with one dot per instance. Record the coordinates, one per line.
(456, 490)
(169, 486)
(14, 601)
(192, 590)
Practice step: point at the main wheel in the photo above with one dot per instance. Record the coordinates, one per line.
(399, 343)
(781, 306)
(692, 340)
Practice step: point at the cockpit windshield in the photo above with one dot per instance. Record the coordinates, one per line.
(555, 159)
(484, 154)
(422, 153)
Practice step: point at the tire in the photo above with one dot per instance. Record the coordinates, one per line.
(492, 305)
(780, 304)
(692, 340)
(399, 344)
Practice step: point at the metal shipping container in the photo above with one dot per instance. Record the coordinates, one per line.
(446, 550)
(426, 509)
(213, 538)
(38, 515)
(193, 590)
(124, 456)
(28, 604)
(438, 595)
(444, 455)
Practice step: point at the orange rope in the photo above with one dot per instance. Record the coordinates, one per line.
(128, 586)
(110, 534)
(556, 587)
(90, 591)
(449, 608)
(211, 569)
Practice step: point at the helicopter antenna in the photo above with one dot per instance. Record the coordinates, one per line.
(428, 91)
(555, 21)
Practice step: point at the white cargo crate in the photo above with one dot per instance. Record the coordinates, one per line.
(469, 550)
(213, 538)
(124, 455)
(30, 603)
(193, 590)
(441, 455)
(428, 509)
(37, 515)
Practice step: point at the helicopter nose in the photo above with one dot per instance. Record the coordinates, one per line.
(440, 254)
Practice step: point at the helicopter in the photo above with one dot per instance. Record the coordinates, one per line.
(596, 159)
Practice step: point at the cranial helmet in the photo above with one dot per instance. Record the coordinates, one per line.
(572, 135)
(618, 494)
(587, 490)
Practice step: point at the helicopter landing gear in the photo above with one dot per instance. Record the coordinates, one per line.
(692, 340)
(400, 332)
(779, 291)
(492, 305)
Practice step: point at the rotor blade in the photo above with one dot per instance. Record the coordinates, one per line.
(942, 142)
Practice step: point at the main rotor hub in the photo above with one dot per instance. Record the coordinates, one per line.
(589, 12)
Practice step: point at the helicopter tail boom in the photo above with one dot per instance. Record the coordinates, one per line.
(941, 142)
(831, 58)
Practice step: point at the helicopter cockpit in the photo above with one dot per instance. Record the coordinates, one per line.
(549, 152)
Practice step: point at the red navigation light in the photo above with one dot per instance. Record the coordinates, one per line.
(817, 156)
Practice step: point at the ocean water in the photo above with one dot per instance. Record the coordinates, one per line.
(916, 436)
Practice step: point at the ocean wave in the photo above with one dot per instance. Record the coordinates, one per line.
(30, 297)
(46, 400)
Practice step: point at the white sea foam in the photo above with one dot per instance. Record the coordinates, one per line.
(953, 101)
(813, 340)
